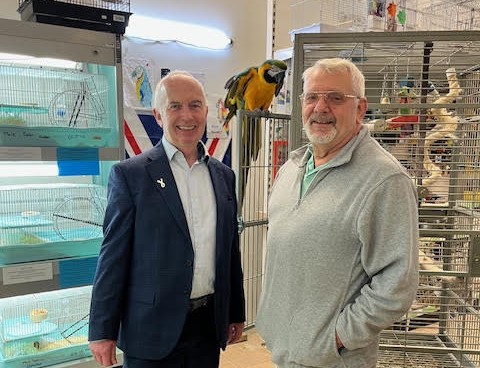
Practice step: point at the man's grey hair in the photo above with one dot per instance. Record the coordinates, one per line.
(338, 65)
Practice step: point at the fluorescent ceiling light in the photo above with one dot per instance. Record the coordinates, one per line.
(32, 60)
(167, 30)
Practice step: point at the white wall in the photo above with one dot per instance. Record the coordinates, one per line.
(244, 21)
(8, 9)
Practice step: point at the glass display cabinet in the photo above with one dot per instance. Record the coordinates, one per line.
(61, 130)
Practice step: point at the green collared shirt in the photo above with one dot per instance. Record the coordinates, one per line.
(311, 171)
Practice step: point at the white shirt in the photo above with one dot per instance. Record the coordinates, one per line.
(198, 199)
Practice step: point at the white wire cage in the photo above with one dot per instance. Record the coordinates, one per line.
(385, 15)
(260, 150)
(50, 221)
(33, 96)
(45, 328)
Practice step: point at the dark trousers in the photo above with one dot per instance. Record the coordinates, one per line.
(197, 347)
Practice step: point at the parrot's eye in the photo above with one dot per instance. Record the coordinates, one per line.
(329, 97)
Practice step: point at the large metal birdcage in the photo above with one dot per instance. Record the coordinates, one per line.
(424, 105)
(259, 151)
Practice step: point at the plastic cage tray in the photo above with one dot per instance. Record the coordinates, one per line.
(96, 15)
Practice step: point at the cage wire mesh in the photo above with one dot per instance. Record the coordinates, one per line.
(261, 150)
(376, 15)
(43, 215)
(330, 14)
(449, 15)
(35, 324)
(33, 96)
(423, 90)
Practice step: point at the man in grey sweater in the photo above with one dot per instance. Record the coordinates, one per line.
(342, 247)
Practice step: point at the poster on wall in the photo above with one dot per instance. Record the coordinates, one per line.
(139, 80)
(217, 113)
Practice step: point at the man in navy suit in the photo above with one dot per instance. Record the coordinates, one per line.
(168, 289)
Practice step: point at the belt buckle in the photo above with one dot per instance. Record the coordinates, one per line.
(198, 302)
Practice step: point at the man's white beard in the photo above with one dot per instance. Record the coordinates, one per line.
(320, 138)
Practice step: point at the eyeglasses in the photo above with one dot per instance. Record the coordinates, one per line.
(329, 97)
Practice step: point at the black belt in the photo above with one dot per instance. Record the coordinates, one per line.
(200, 302)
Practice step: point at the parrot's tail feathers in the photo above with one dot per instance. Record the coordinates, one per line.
(229, 117)
(226, 126)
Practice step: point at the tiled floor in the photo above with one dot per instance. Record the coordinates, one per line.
(247, 354)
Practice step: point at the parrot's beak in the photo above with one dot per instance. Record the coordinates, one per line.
(276, 72)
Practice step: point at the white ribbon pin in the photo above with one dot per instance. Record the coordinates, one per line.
(160, 181)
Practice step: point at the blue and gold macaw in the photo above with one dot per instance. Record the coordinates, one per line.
(143, 90)
(253, 89)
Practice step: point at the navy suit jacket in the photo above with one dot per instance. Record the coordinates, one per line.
(144, 275)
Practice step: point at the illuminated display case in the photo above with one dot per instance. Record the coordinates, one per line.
(61, 130)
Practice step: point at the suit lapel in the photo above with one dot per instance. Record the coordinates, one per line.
(219, 190)
(164, 182)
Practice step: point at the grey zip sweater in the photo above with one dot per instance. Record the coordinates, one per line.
(342, 259)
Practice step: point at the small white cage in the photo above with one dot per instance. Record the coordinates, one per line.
(42, 329)
(41, 97)
(50, 221)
